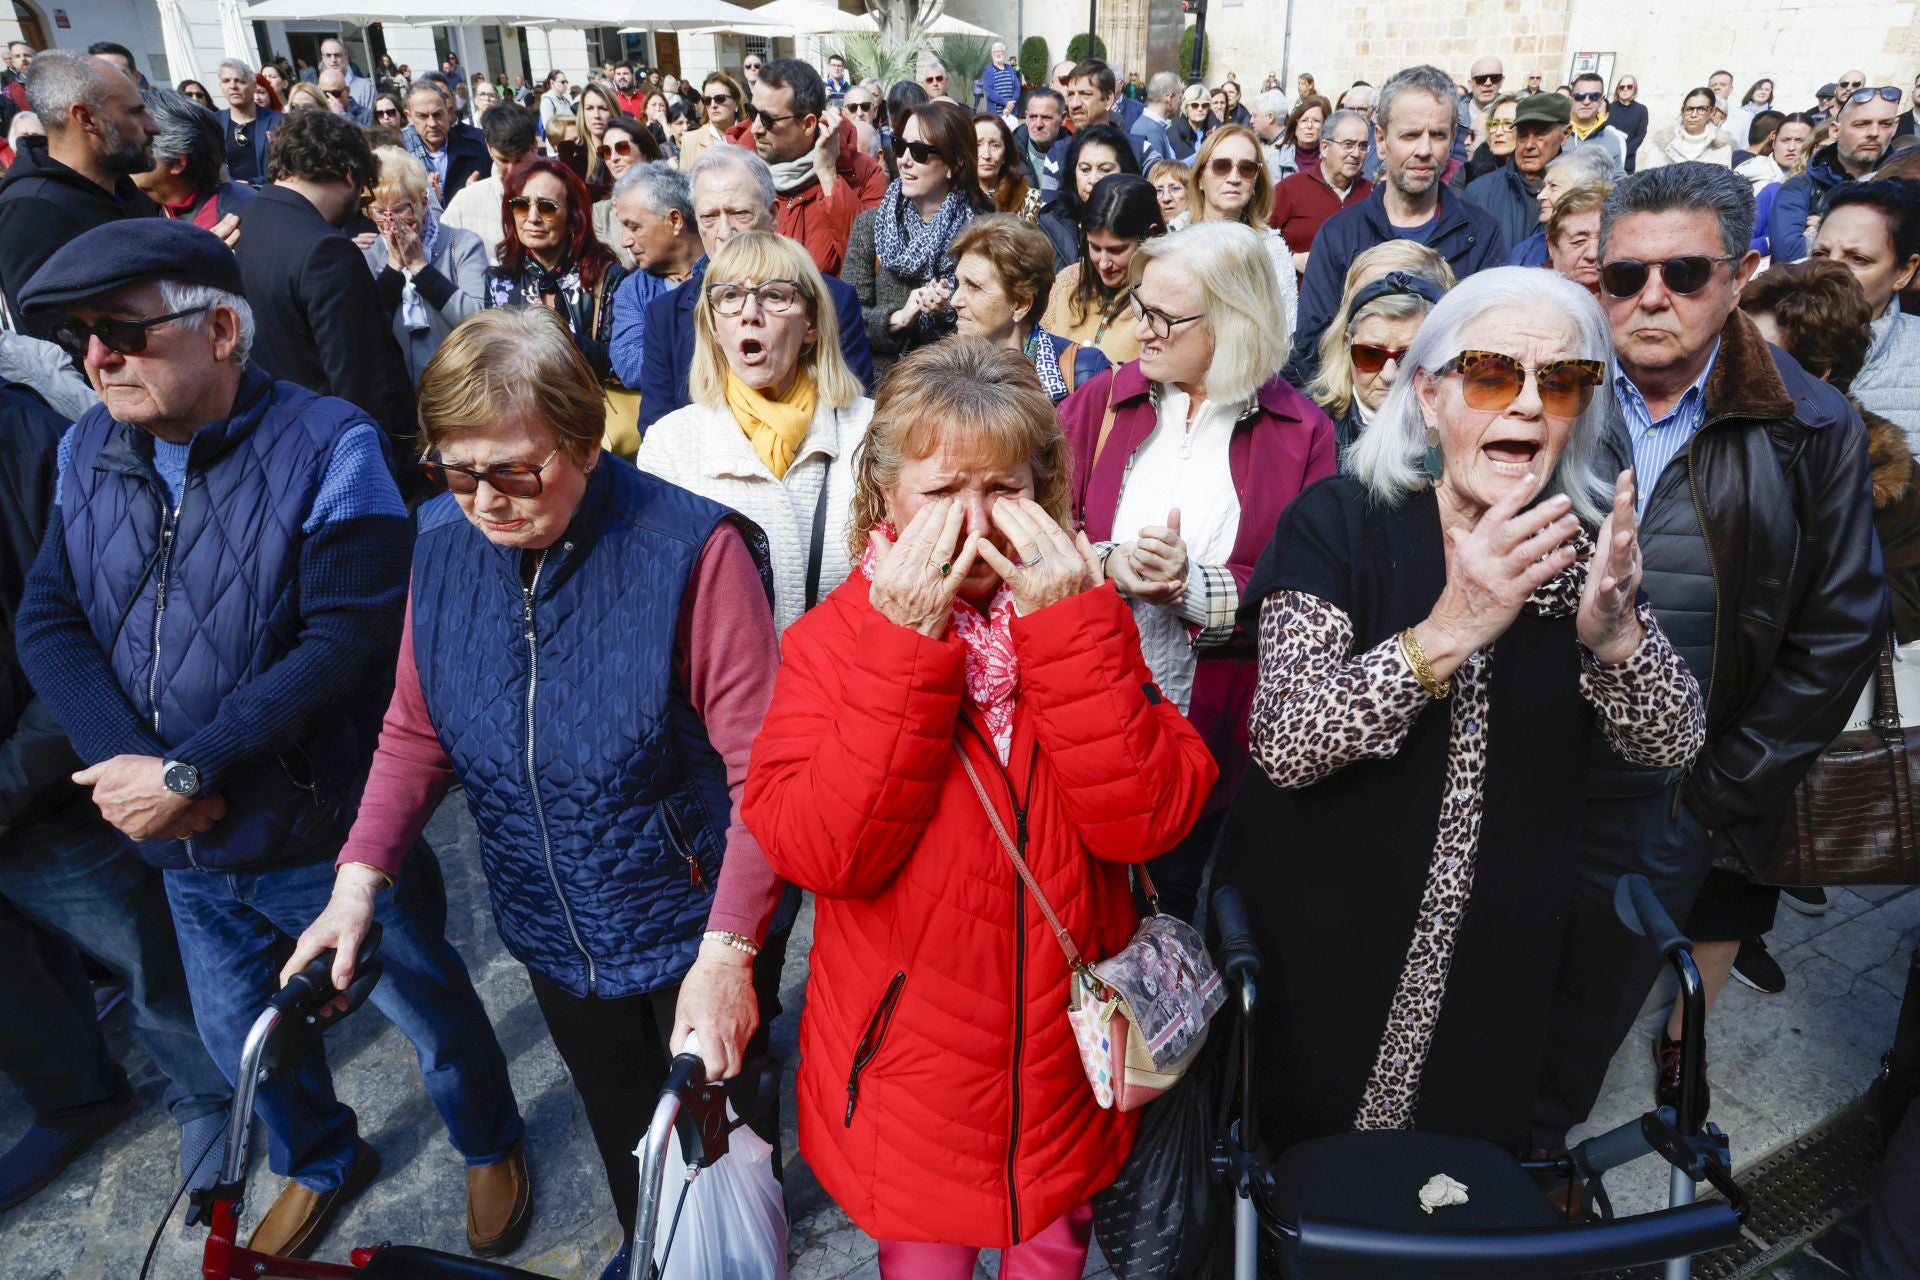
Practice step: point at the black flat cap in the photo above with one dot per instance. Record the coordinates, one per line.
(129, 251)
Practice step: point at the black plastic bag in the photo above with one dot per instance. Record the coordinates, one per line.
(1157, 1221)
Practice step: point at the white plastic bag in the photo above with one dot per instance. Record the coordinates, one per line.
(734, 1224)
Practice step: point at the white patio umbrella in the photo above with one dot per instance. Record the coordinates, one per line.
(948, 25)
(236, 37)
(178, 42)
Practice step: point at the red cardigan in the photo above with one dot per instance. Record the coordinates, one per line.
(1303, 201)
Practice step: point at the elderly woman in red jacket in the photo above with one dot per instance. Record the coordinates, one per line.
(1184, 460)
(942, 1100)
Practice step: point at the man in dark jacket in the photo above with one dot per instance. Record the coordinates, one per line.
(319, 316)
(1414, 128)
(1041, 142)
(728, 183)
(213, 620)
(69, 886)
(1863, 130)
(454, 154)
(98, 135)
(1629, 115)
(1511, 193)
(1756, 526)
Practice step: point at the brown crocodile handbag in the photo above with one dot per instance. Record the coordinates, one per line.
(1852, 820)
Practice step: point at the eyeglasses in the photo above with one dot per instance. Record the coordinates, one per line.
(392, 210)
(1495, 78)
(1591, 95)
(622, 148)
(1500, 126)
(777, 297)
(1490, 381)
(1159, 323)
(1690, 109)
(767, 118)
(1860, 97)
(1845, 85)
(1355, 144)
(1368, 358)
(862, 107)
(922, 151)
(1685, 275)
(933, 80)
(509, 480)
(336, 94)
(1222, 167)
(718, 99)
(386, 112)
(521, 205)
(122, 337)
(750, 66)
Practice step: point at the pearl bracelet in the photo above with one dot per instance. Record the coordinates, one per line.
(739, 942)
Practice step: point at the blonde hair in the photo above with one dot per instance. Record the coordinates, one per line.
(306, 96)
(1239, 295)
(1020, 255)
(1259, 206)
(401, 173)
(513, 362)
(959, 389)
(1588, 197)
(1332, 386)
(760, 256)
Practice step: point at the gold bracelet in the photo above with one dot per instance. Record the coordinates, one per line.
(1422, 669)
(738, 941)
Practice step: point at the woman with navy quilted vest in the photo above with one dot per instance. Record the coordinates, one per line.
(588, 651)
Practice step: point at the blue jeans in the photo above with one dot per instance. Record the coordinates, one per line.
(69, 885)
(232, 928)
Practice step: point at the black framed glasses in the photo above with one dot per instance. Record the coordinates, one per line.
(1159, 323)
(509, 479)
(523, 204)
(718, 99)
(768, 119)
(1591, 95)
(1495, 78)
(1685, 275)
(337, 94)
(386, 113)
(922, 152)
(1492, 380)
(777, 297)
(861, 107)
(1860, 97)
(122, 337)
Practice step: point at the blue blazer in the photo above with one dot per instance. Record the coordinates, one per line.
(265, 121)
(668, 356)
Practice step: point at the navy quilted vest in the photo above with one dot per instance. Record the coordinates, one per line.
(601, 805)
(192, 604)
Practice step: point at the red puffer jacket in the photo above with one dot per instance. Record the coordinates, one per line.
(941, 1095)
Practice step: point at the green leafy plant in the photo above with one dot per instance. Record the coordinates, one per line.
(1077, 48)
(1033, 60)
(965, 58)
(886, 58)
(1186, 55)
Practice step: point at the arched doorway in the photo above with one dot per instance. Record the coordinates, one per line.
(32, 30)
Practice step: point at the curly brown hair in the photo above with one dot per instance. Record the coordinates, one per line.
(319, 146)
(1821, 313)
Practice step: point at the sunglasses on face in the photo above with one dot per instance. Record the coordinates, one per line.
(718, 99)
(122, 337)
(509, 480)
(1490, 381)
(1492, 79)
(1159, 323)
(1222, 167)
(623, 148)
(336, 94)
(1368, 358)
(777, 297)
(922, 152)
(1850, 84)
(752, 66)
(1859, 97)
(387, 112)
(861, 107)
(1590, 95)
(1685, 275)
(934, 80)
(521, 205)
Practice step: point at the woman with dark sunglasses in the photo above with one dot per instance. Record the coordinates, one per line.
(625, 144)
(720, 99)
(1232, 183)
(898, 257)
(1390, 288)
(588, 651)
(1096, 152)
(1444, 629)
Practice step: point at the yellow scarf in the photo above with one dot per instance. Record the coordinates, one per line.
(1599, 123)
(776, 427)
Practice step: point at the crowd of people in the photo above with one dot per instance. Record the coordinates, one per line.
(781, 484)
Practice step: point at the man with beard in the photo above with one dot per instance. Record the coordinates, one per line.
(99, 134)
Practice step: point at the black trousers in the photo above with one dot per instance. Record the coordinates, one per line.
(616, 1051)
(1605, 970)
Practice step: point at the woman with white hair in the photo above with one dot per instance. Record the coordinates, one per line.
(430, 276)
(1442, 629)
(1183, 461)
(1587, 167)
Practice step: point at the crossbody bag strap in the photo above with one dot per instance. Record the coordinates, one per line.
(1074, 960)
(818, 550)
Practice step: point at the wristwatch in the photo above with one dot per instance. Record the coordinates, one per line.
(181, 778)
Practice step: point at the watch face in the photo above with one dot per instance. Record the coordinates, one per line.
(182, 779)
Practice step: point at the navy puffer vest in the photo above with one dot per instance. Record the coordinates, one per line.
(190, 604)
(602, 806)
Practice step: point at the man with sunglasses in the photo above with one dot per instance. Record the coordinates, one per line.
(333, 85)
(1862, 134)
(1589, 125)
(1511, 192)
(213, 620)
(1483, 86)
(1762, 566)
(360, 90)
(821, 178)
(1629, 115)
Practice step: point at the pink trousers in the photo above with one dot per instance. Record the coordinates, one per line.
(1057, 1253)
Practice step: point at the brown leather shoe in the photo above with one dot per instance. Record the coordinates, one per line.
(499, 1203)
(298, 1220)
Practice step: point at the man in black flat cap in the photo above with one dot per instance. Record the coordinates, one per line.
(213, 619)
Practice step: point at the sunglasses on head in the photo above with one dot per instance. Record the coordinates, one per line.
(1860, 97)
(123, 337)
(1490, 381)
(1368, 358)
(509, 480)
(922, 152)
(521, 204)
(1221, 167)
(1685, 275)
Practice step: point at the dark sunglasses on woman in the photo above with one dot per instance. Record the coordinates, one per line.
(922, 151)
(1685, 275)
(386, 113)
(1368, 358)
(548, 208)
(717, 99)
(123, 337)
(1490, 381)
(1221, 167)
(624, 147)
(509, 479)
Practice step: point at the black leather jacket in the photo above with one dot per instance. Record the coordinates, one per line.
(1781, 483)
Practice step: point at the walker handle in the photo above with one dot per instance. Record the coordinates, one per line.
(1239, 953)
(1640, 910)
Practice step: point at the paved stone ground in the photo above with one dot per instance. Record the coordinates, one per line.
(1779, 1065)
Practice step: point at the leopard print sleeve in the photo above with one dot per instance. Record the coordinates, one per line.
(1318, 708)
(1649, 706)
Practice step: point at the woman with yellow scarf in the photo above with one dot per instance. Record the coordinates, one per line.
(775, 415)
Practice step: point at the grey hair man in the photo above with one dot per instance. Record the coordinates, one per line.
(1755, 513)
(99, 134)
(653, 205)
(732, 192)
(1000, 82)
(1150, 130)
(333, 57)
(1413, 131)
(1863, 129)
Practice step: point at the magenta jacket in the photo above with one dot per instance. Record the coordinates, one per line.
(1280, 446)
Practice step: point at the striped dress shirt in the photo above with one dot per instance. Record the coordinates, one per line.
(1655, 444)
